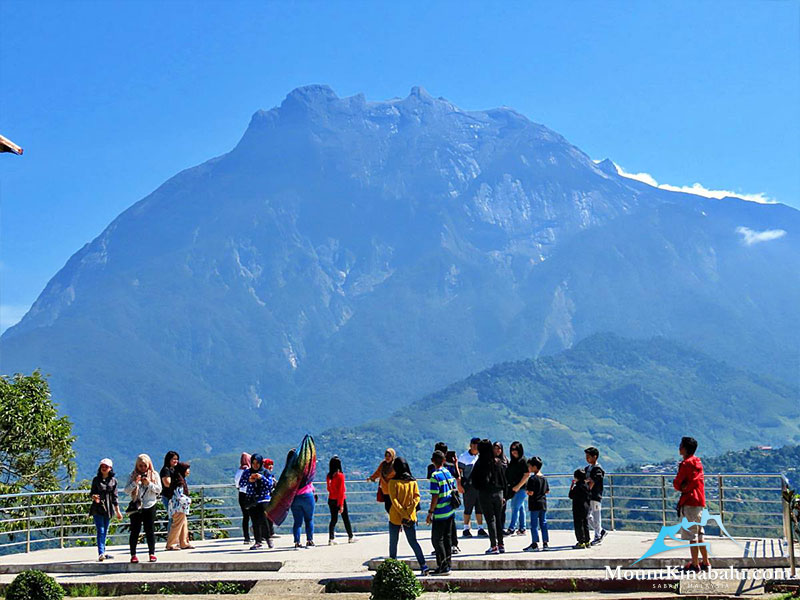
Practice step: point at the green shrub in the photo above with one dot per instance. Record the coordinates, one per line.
(34, 585)
(83, 590)
(223, 587)
(394, 580)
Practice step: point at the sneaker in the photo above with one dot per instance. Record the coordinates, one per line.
(578, 546)
(493, 550)
(522, 531)
(586, 545)
(101, 557)
(508, 532)
(467, 534)
(108, 556)
(424, 571)
(256, 546)
(603, 533)
(595, 541)
(440, 572)
(134, 559)
(532, 548)
(332, 542)
(270, 543)
(309, 543)
(545, 545)
(501, 549)
(298, 545)
(153, 558)
(482, 532)
(352, 539)
(246, 542)
(456, 550)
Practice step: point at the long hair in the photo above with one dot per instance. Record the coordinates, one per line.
(180, 477)
(334, 466)
(520, 451)
(150, 473)
(502, 456)
(401, 469)
(485, 452)
(169, 456)
(110, 473)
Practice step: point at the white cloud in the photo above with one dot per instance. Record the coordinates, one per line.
(696, 188)
(10, 314)
(750, 236)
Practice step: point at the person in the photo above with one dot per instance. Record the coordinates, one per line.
(441, 514)
(105, 504)
(537, 489)
(144, 486)
(241, 485)
(337, 500)
(594, 479)
(178, 538)
(442, 447)
(489, 478)
(500, 454)
(384, 473)
(689, 481)
(258, 493)
(303, 512)
(580, 495)
(517, 475)
(451, 464)
(171, 459)
(404, 498)
(466, 462)
(269, 465)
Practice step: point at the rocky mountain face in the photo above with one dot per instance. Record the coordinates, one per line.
(348, 257)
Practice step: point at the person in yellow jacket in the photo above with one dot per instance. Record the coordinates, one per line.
(404, 497)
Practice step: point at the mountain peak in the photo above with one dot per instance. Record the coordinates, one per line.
(608, 167)
(310, 94)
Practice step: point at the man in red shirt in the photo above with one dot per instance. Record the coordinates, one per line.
(689, 482)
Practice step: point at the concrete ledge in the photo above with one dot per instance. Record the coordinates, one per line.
(123, 566)
(507, 563)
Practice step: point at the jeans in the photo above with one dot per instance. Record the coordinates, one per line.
(101, 523)
(333, 506)
(165, 502)
(245, 516)
(539, 521)
(494, 513)
(594, 518)
(441, 536)
(411, 537)
(518, 509)
(144, 518)
(303, 512)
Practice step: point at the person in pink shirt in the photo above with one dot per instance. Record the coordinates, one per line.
(303, 512)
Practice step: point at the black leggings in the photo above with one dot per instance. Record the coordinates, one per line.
(245, 516)
(260, 525)
(146, 518)
(333, 505)
(387, 503)
(492, 505)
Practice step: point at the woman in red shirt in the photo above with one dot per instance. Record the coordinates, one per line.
(337, 500)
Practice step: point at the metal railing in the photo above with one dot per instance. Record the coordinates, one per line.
(750, 505)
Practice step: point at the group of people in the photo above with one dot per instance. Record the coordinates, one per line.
(482, 480)
(145, 487)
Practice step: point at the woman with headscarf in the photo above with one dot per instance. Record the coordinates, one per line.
(241, 486)
(403, 493)
(489, 478)
(517, 478)
(144, 486)
(178, 538)
(258, 492)
(105, 504)
(384, 473)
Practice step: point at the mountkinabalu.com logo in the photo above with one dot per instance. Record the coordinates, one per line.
(673, 532)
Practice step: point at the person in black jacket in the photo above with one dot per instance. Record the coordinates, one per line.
(579, 492)
(594, 479)
(105, 503)
(489, 478)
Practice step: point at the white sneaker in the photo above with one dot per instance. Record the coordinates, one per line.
(332, 542)
(352, 540)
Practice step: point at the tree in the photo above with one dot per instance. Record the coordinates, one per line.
(36, 451)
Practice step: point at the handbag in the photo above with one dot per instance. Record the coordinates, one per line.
(455, 498)
(380, 496)
(134, 507)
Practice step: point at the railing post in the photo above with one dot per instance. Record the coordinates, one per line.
(611, 501)
(721, 497)
(788, 526)
(61, 520)
(202, 514)
(663, 500)
(28, 526)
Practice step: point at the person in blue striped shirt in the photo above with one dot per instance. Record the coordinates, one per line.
(441, 513)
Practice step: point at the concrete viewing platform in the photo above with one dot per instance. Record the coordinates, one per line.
(348, 567)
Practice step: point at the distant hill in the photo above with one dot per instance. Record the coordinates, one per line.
(634, 399)
(349, 257)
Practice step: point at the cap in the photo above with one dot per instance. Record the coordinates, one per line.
(107, 462)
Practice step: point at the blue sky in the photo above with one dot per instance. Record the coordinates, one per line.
(109, 99)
